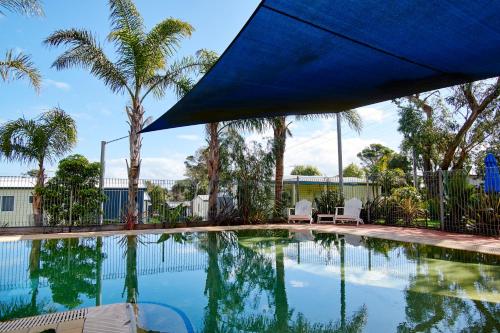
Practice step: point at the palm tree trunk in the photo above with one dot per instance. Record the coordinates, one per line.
(37, 195)
(34, 271)
(280, 299)
(135, 115)
(213, 169)
(131, 282)
(279, 130)
(213, 285)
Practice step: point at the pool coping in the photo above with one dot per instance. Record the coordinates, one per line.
(482, 244)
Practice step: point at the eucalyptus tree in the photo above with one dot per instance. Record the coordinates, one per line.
(16, 66)
(143, 67)
(281, 130)
(216, 132)
(38, 140)
(445, 128)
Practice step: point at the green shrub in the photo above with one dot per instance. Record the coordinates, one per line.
(409, 202)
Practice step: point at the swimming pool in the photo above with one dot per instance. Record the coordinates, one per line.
(256, 281)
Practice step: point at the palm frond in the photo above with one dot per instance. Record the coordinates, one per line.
(61, 130)
(17, 140)
(24, 7)
(128, 35)
(85, 52)
(352, 119)
(28, 140)
(208, 58)
(314, 116)
(19, 66)
(258, 125)
(124, 16)
(163, 40)
(176, 75)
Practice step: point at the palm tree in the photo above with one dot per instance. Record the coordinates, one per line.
(19, 66)
(281, 130)
(143, 67)
(38, 140)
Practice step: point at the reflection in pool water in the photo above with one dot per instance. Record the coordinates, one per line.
(257, 281)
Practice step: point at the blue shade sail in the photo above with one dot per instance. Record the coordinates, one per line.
(492, 175)
(300, 57)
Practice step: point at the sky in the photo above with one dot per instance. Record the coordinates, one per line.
(100, 114)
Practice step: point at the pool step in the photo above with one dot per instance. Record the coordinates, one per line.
(116, 318)
(51, 320)
(113, 318)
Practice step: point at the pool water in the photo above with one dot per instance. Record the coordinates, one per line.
(256, 281)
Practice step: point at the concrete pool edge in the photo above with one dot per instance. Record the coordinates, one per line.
(482, 244)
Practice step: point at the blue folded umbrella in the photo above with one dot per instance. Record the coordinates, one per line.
(492, 177)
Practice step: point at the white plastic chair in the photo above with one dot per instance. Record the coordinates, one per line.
(351, 211)
(302, 212)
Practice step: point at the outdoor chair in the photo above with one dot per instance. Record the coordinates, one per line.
(350, 212)
(301, 212)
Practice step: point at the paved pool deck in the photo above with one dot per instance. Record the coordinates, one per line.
(489, 245)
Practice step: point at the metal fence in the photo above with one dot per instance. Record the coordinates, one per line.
(452, 201)
(447, 200)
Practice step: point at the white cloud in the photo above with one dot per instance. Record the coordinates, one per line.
(261, 138)
(371, 114)
(105, 111)
(377, 277)
(298, 284)
(319, 148)
(151, 168)
(81, 115)
(58, 84)
(188, 137)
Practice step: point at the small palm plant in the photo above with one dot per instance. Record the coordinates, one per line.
(38, 140)
(409, 202)
(143, 67)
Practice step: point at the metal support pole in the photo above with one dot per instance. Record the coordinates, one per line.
(339, 144)
(101, 180)
(441, 199)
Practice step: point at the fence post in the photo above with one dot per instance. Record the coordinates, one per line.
(101, 180)
(441, 199)
(367, 205)
(71, 207)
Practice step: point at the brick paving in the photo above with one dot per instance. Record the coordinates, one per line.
(481, 244)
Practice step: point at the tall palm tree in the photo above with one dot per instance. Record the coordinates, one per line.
(143, 67)
(19, 66)
(213, 132)
(38, 140)
(281, 130)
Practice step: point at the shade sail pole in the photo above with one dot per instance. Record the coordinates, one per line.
(339, 148)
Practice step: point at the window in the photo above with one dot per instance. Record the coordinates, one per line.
(30, 199)
(8, 203)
